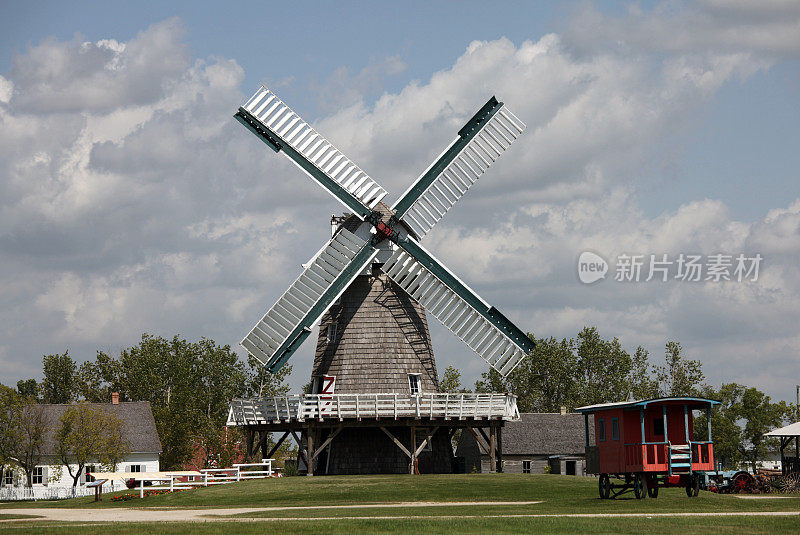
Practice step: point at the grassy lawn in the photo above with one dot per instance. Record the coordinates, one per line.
(13, 516)
(678, 526)
(560, 494)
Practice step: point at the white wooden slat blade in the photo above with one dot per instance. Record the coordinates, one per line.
(494, 137)
(294, 305)
(292, 130)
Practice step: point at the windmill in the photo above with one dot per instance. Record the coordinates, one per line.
(375, 256)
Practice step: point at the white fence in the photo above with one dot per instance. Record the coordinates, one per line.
(43, 493)
(219, 476)
(357, 406)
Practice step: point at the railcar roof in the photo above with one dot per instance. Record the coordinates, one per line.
(691, 401)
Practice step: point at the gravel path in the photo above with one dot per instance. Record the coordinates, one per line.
(221, 514)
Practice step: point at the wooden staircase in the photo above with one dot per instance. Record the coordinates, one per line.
(680, 459)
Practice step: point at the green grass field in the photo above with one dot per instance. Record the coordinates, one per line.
(558, 495)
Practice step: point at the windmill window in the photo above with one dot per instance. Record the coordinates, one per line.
(526, 467)
(38, 475)
(601, 430)
(415, 384)
(331, 333)
(614, 428)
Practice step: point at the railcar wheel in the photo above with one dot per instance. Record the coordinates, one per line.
(693, 486)
(640, 489)
(604, 485)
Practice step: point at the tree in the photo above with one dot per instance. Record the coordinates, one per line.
(58, 384)
(86, 435)
(760, 415)
(29, 389)
(97, 380)
(545, 381)
(602, 367)
(23, 424)
(490, 381)
(261, 382)
(221, 377)
(642, 384)
(679, 377)
(725, 431)
(451, 380)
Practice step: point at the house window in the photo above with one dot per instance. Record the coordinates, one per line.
(415, 384)
(88, 471)
(614, 428)
(38, 475)
(331, 333)
(135, 468)
(526, 467)
(8, 477)
(601, 430)
(658, 427)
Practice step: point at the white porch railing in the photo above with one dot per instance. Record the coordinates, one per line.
(43, 493)
(303, 407)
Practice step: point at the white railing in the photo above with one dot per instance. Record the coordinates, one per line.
(43, 493)
(219, 476)
(359, 406)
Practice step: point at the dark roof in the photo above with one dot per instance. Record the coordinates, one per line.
(138, 425)
(546, 434)
(693, 402)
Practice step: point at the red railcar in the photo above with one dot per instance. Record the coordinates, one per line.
(644, 445)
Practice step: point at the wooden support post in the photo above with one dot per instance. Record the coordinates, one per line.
(686, 423)
(500, 448)
(641, 423)
(310, 450)
(250, 438)
(414, 450)
(492, 448)
(300, 450)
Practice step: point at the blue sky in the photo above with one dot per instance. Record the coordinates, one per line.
(674, 123)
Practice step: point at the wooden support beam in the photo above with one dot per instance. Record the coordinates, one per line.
(492, 449)
(250, 437)
(483, 433)
(500, 448)
(414, 449)
(328, 440)
(310, 451)
(397, 442)
(428, 440)
(301, 451)
(484, 448)
(277, 445)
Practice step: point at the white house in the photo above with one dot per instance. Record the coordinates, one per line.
(138, 426)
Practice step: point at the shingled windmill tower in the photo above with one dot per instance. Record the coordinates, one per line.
(376, 406)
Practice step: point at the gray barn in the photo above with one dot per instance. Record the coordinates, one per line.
(534, 444)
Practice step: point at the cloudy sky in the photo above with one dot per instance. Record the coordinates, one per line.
(131, 201)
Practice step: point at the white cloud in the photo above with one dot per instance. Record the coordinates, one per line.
(130, 201)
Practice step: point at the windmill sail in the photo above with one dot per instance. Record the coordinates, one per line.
(482, 140)
(482, 327)
(288, 323)
(278, 125)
